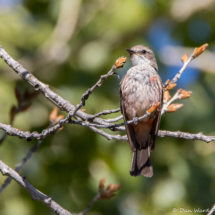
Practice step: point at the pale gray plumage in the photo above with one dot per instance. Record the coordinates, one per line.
(141, 88)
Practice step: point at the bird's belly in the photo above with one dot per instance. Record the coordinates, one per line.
(142, 101)
(142, 95)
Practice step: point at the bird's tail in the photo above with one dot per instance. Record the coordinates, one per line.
(141, 162)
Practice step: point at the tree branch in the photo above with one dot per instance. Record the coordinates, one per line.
(186, 60)
(24, 160)
(95, 199)
(83, 119)
(178, 75)
(105, 112)
(186, 136)
(211, 210)
(20, 165)
(35, 194)
(57, 100)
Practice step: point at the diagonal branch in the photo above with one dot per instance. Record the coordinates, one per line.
(105, 112)
(118, 64)
(83, 118)
(178, 75)
(95, 199)
(211, 210)
(20, 165)
(35, 194)
(115, 119)
(32, 150)
(186, 136)
(57, 100)
(186, 61)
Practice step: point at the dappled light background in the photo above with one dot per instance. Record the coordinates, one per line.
(68, 44)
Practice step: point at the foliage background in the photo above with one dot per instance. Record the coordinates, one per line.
(40, 35)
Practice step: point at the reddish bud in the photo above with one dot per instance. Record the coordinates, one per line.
(183, 94)
(167, 82)
(120, 62)
(109, 192)
(59, 118)
(102, 184)
(113, 187)
(184, 58)
(83, 110)
(199, 50)
(173, 107)
(171, 86)
(153, 108)
(166, 96)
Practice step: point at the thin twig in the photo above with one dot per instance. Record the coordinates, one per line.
(109, 136)
(114, 119)
(186, 136)
(211, 210)
(86, 95)
(166, 104)
(28, 136)
(50, 131)
(35, 194)
(197, 51)
(178, 75)
(112, 126)
(96, 198)
(19, 166)
(57, 100)
(24, 160)
(105, 112)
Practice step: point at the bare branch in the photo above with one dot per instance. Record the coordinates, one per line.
(162, 133)
(115, 119)
(178, 75)
(95, 199)
(68, 107)
(24, 160)
(196, 53)
(186, 136)
(109, 136)
(57, 100)
(35, 194)
(28, 136)
(166, 104)
(103, 194)
(211, 210)
(118, 64)
(50, 131)
(112, 126)
(20, 165)
(105, 112)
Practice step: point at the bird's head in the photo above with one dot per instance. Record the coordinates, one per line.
(142, 55)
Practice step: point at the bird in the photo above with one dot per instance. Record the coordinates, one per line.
(141, 88)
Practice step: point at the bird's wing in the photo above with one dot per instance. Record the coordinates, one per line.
(129, 129)
(156, 123)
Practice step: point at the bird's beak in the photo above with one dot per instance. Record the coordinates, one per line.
(130, 51)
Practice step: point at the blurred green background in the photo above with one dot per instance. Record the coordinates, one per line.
(68, 44)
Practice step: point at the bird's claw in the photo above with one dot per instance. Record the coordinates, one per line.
(136, 120)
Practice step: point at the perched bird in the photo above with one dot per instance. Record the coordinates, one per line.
(140, 88)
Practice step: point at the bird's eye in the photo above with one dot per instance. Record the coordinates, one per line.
(144, 51)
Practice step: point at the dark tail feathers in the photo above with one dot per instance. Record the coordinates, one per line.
(141, 163)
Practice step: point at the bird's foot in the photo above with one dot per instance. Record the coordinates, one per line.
(136, 120)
